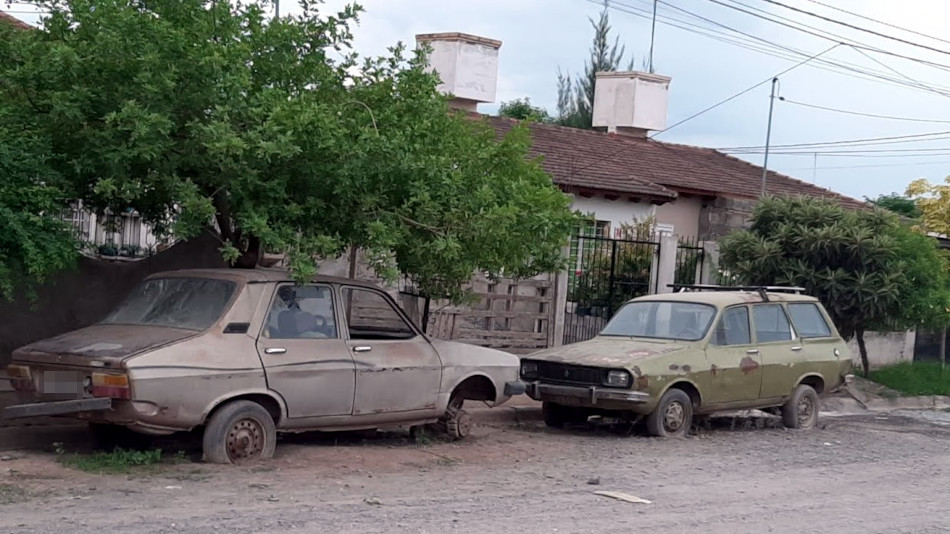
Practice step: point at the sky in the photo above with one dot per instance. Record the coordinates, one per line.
(541, 36)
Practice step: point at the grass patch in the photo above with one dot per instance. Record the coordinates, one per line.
(119, 461)
(922, 378)
(10, 494)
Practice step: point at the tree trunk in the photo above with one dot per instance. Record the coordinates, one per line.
(251, 257)
(862, 348)
(943, 347)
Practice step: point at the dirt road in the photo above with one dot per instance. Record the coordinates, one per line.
(857, 474)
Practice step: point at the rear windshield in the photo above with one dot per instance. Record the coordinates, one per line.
(189, 303)
(686, 321)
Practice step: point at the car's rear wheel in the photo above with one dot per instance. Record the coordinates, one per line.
(801, 410)
(673, 415)
(240, 432)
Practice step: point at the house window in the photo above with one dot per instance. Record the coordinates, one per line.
(77, 217)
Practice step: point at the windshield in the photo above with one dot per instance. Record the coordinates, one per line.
(190, 303)
(685, 321)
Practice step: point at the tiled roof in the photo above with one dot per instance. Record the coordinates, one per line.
(653, 169)
(5, 18)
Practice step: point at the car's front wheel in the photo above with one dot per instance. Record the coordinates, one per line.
(801, 410)
(673, 415)
(239, 432)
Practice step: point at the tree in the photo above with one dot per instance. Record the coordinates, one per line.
(195, 113)
(901, 205)
(522, 109)
(933, 202)
(869, 271)
(575, 97)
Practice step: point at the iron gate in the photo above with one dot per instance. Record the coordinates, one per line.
(604, 273)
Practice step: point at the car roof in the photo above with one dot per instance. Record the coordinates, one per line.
(256, 276)
(722, 299)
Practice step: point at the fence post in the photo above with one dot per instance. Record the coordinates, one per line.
(560, 303)
(710, 263)
(666, 265)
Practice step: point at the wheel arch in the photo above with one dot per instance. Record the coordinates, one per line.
(274, 405)
(475, 386)
(815, 380)
(687, 386)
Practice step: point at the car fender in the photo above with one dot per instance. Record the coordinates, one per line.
(239, 394)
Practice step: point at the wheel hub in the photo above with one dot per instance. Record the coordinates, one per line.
(245, 440)
(805, 410)
(673, 417)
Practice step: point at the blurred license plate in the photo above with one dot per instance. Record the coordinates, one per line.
(60, 383)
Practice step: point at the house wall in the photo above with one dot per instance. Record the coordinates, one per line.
(616, 211)
(885, 348)
(724, 215)
(683, 215)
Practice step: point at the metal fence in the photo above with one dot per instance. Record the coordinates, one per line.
(689, 261)
(604, 273)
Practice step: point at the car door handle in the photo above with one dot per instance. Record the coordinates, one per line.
(752, 351)
(275, 350)
(796, 349)
(362, 349)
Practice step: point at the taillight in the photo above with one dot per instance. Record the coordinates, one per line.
(112, 386)
(20, 378)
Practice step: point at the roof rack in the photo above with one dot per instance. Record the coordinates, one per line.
(761, 290)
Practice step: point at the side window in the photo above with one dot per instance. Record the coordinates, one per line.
(370, 315)
(809, 322)
(733, 328)
(771, 323)
(302, 312)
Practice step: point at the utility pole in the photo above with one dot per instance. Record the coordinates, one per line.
(768, 136)
(276, 9)
(652, 36)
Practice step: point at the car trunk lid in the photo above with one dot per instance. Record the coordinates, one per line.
(99, 345)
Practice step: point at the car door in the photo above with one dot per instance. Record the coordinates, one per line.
(305, 358)
(397, 369)
(734, 360)
(779, 347)
(822, 349)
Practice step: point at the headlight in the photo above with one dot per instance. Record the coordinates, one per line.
(617, 379)
(529, 370)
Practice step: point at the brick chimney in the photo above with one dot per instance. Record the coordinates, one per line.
(467, 65)
(630, 103)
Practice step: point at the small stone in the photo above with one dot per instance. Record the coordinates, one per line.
(594, 481)
(273, 498)
(6, 458)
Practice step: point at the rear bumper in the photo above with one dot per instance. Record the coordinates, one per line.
(589, 394)
(57, 408)
(515, 387)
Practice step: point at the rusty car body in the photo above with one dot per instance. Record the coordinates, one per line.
(246, 353)
(700, 350)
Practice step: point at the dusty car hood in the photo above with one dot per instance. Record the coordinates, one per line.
(455, 353)
(609, 351)
(108, 343)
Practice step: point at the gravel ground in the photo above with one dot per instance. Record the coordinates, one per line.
(859, 474)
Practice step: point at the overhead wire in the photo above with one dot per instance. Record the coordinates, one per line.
(860, 16)
(862, 114)
(870, 141)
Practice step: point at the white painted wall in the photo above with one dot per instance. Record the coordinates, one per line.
(616, 211)
(885, 348)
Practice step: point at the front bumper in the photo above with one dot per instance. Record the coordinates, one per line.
(515, 387)
(57, 408)
(591, 394)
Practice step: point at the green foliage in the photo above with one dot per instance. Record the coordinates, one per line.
(575, 96)
(522, 109)
(933, 201)
(870, 272)
(901, 205)
(920, 378)
(193, 112)
(119, 461)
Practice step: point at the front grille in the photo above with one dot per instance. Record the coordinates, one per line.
(570, 374)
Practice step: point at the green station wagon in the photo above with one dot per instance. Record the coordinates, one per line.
(700, 350)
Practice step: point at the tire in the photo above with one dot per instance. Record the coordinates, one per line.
(801, 409)
(106, 437)
(240, 432)
(459, 425)
(673, 415)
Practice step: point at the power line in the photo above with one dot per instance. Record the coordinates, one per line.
(861, 114)
(860, 16)
(858, 28)
(931, 136)
(744, 91)
(814, 31)
(946, 162)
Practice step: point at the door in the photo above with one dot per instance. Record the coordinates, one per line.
(397, 370)
(780, 348)
(305, 358)
(735, 363)
(823, 352)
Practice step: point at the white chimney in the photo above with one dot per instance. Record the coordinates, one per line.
(630, 103)
(467, 65)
